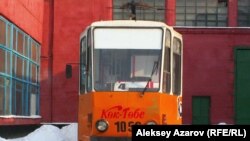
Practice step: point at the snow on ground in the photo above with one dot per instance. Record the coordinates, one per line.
(50, 133)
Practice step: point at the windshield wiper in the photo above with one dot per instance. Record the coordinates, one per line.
(155, 68)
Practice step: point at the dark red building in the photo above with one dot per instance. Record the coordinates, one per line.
(42, 36)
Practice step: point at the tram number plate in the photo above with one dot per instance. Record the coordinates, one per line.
(123, 126)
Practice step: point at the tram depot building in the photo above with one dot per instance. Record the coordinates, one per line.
(39, 37)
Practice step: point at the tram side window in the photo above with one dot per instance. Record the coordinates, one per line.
(176, 66)
(89, 62)
(83, 57)
(166, 71)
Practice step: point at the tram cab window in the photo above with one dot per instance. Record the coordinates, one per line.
(166, 70)
(85, 64)
(126, 70)
(177, 66)
(125, 61)
(89, 62)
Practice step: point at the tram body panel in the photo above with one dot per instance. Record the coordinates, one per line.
(122, 110)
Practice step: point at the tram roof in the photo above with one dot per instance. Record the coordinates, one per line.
(126, 23)
(129, 23)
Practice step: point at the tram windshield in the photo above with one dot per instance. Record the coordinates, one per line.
(126, 59)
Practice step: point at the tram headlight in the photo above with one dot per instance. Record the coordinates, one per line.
(102, 125)
(151, 123)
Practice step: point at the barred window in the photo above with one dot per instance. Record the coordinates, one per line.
(153, 10)
(19, 71)
(244, 13)
(201, 13)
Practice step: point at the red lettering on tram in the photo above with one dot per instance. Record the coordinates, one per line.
(116, 112)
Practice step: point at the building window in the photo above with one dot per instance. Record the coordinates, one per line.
(243, 13)
(19, 71)
(153, 10)
(201, 13)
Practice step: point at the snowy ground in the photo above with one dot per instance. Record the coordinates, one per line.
(50, 133)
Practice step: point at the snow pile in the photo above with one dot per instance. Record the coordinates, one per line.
(50, 133)
(70, 132)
